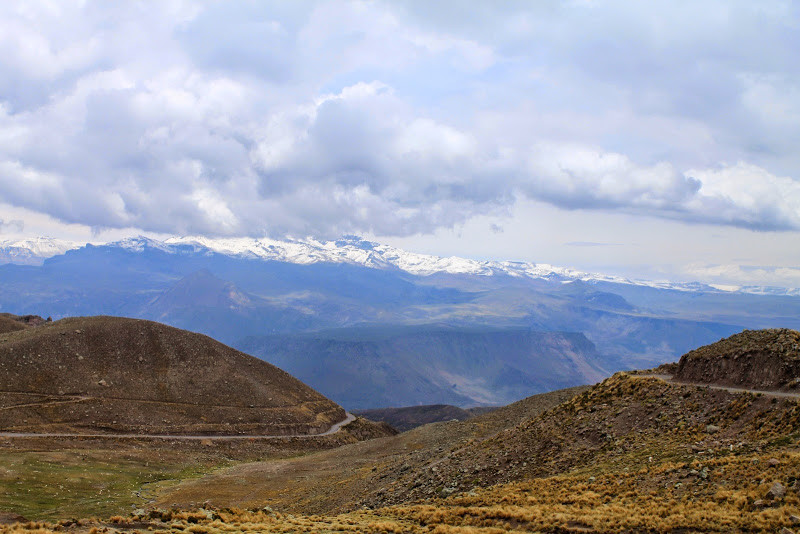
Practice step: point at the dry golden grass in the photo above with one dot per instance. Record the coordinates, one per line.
(720, 495)
(630, 455)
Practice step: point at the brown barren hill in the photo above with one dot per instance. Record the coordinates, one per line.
(753, 359)
(116, 375)
(13, 323)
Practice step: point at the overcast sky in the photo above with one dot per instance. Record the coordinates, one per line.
(649, 139)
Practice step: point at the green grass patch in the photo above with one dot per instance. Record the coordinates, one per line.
(81, 483)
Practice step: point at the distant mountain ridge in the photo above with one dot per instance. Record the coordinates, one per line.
(409, 417)
(406, 365)
(352, 250)
(35, 250)
(288, 292)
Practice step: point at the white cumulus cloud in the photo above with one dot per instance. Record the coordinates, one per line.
(320, 118)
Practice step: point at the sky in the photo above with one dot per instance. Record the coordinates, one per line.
(644, 139)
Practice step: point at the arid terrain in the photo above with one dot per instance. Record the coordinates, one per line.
(761, 359)
(638, 452)
(95, 412)
(126, 376)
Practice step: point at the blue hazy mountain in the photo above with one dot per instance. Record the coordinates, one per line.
(351, 317)
(420, 364)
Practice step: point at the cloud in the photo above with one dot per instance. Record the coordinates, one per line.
(326, 118)
(777, 276)
(580, 177)
(13, 226)
(591, 244)
(747, 196)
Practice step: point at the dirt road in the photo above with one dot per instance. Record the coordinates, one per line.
(332, 430)
(668, 378)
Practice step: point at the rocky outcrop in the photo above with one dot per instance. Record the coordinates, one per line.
(753, 359)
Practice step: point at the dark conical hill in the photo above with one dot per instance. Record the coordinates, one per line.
(754, 359)
(129, 375)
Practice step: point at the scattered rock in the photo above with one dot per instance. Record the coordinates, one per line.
(794, 519)
(102, 382)
(776, 492)
(773, 462)
(712, 429)
(785, 530)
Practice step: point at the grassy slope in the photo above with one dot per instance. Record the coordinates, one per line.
(57, 478)
(331, 481)
(62, 484)
(666, 498)
(632, 453)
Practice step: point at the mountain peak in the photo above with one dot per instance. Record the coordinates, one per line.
(140, 243)
(33, 251)
(355, 241)
(355, 250)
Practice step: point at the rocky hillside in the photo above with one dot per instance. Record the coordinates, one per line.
(624, 421)
(108, 374)
(633, 454)
(754, 359)
(333, 480)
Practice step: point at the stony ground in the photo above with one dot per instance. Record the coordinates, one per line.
(632, 454)
(737, 493)
(337, 480)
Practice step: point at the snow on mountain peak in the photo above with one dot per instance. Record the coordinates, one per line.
(351, 250)
(33, 251)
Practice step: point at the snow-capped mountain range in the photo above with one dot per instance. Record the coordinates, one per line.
(34, 250)
(351, 250)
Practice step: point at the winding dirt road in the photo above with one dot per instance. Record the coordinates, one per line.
(671, 380)
(332, 430)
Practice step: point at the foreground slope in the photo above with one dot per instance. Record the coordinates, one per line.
(635, 453)
(731, 465)
(333, 481)
(115, 375)
(631, 453)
